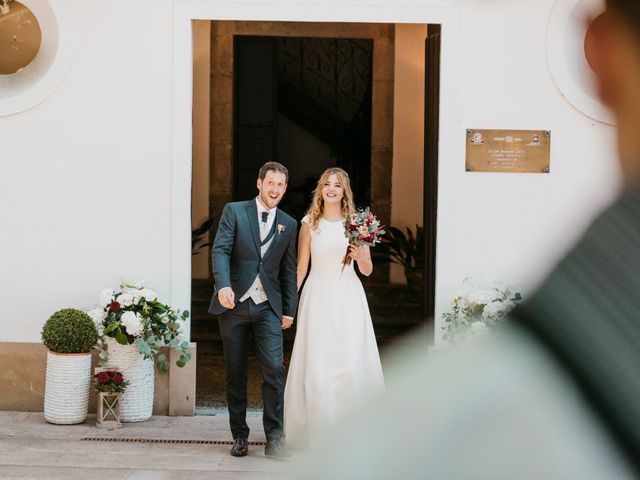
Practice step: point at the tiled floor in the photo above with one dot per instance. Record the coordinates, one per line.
(32, 448)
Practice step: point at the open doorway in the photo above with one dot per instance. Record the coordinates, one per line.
(305, 102)
(260, 107)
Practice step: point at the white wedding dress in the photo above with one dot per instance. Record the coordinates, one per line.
(335, 361)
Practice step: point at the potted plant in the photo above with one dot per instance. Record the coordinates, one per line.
(406, 250)
(69, 334)
(134, 326)
(110, 385)
(198, 234)
(477, 309)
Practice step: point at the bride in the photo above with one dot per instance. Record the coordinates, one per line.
(335, 361)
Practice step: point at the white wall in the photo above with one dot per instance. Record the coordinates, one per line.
(515, 226)
(91, 185)
(85, 187)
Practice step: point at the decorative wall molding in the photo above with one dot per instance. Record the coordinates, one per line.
(28, 87)
(566, 58)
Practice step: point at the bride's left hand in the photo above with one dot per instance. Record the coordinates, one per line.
(358, 253)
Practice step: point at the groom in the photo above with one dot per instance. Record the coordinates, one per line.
(254, 268)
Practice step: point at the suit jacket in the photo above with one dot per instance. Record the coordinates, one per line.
(588, 314)
(236, 260)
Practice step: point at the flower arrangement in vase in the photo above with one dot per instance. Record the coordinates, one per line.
(132, 314)
(477, 309)
(134, 326)
(110, 385)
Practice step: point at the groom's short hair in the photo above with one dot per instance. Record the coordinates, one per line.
(273, 166)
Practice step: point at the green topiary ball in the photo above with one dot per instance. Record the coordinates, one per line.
(69, 331)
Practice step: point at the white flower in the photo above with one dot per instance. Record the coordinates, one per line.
(97, 315)
(148, 294)
(106, 297)
(479, 328)
(494, 309)
(126, 299)
(479, 297)
(132, 323)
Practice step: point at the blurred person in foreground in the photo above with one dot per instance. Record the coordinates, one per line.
(556, 393)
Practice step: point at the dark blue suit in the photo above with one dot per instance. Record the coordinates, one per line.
(236, 261)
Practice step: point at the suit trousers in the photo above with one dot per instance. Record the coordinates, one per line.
(235, 327)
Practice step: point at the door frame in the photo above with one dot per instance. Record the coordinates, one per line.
(184, 11)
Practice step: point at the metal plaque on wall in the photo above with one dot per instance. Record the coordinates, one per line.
(521, 151)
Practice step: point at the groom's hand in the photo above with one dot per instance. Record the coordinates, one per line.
(286, 322)
(226, 297)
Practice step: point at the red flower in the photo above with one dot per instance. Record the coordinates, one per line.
(103, 377)
(114, 307)
(117, 378)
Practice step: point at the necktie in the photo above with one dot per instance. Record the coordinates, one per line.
(265, 216)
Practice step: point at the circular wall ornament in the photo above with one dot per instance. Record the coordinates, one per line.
(20, 37)
(571, 73)
(34, 82)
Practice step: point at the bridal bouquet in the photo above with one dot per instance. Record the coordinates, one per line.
(132, 314)
(361, 228)
(477, 309)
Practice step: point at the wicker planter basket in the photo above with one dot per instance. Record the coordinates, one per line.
(66, 393)
(136, 404)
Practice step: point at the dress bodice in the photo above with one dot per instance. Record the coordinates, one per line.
(328, 248)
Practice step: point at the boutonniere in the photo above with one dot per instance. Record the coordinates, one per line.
(281, 228)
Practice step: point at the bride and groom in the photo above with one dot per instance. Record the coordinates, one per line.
(257, 274)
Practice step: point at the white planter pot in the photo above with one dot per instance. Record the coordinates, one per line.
(66, 393)
(137, 400)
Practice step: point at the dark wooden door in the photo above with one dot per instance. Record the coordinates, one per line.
(255, 110)
(431, 139)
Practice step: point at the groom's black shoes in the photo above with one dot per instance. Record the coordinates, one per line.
(276, 448)
(240, 447)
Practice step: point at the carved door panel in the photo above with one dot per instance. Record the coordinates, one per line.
(431, 138)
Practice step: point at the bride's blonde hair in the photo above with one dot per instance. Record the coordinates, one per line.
(316, 209)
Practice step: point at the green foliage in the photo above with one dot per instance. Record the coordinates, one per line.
(197, 235)
(134, 315)
(477, 312)
(109, 381)
(69, 331)
(404, 249)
